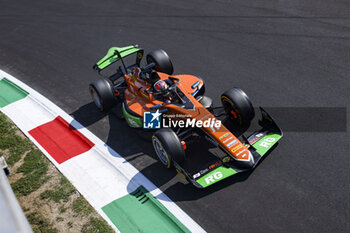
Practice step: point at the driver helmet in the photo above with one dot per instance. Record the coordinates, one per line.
(160, 85)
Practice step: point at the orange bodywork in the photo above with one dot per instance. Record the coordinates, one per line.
(139, 100)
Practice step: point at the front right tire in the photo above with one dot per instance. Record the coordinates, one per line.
(161, 60)
(238, 108)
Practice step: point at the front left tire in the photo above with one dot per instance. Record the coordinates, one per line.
(168, 147)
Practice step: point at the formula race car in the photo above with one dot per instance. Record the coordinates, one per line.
(150, 93)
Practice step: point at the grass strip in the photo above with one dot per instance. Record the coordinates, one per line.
(34, 168)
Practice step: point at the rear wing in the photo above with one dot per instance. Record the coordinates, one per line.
(118, 53)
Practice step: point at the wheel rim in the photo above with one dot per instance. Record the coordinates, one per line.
(161, 153)
(227, 106)
(231, 111)
(95, 98)
(150, 60)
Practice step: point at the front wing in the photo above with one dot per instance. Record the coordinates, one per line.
(259, 144)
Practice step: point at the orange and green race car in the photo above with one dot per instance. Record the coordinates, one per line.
(175, 107)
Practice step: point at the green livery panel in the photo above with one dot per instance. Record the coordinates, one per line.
(215, 175)
(133, 121)
(113, 56)
(262, 146)
(266, 143)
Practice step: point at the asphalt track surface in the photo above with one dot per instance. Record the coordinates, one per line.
(282, 53)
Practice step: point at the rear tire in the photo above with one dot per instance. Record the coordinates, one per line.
(162, 61)
(238, 108)
(168, 147)
(102, 94)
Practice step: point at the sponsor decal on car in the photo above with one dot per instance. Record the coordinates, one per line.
(236, 148)
(211, 167)
(224, 136)
(217, 127)
(228, 139)
(195, 176)
(215, 175)
(267, 142)
(212, 178)
(215, 165)
(256, 138)
(230, 144)
(132, 123)
(242, 151)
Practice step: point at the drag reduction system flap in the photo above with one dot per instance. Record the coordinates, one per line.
(118, 53)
